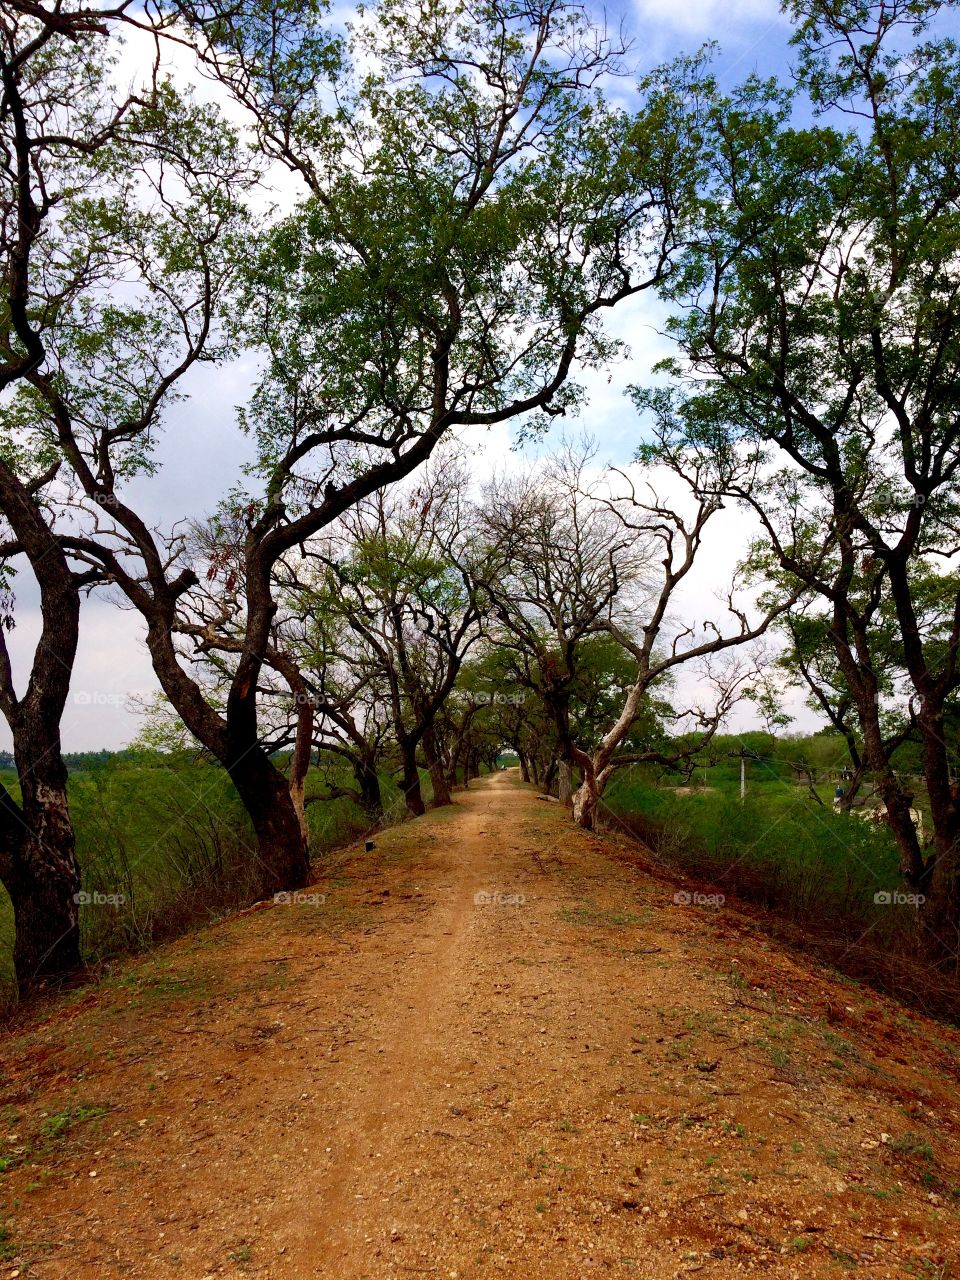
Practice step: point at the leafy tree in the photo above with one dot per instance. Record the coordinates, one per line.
(491, 708)
(473, 208)
(84, 172)
(398, 570)
(821, 337)
(809, 660)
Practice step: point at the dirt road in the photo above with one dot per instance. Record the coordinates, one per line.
(494, 1047)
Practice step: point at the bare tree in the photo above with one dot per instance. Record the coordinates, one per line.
(563, 567)
(582, 561)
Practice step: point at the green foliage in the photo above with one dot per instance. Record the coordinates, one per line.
(778, 847)
(833, 335)
(150, 218)
(474, 206)
(820, 335)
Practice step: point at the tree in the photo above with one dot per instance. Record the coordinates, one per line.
(809, 660)
(561, 566)
(588, 573)
(38, 865)
(398, 570)
(821, 335)
(473, 209)
(73, 153)
(494, 707)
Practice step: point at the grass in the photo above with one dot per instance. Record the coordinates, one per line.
(57, 1126)
(54, 1130)
(777, 847)
(912, 1145)
(163, 986)
(241, 1254)
(588, 914)
(816, 871)
(169, 834)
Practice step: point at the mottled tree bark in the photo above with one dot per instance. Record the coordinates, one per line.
(438, 778)
(38, 864)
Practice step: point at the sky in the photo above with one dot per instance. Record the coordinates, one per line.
(201, 454)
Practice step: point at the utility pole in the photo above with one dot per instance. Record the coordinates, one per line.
(742, 754)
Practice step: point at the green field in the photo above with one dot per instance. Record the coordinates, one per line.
(818, 868)
(170, 834)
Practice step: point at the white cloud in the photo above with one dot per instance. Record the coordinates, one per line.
(111, 665)
(711, 18)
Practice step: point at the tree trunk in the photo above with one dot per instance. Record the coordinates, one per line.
(38, 862)
(284, 859)
(302, 752)
(438, 779)
(410, 780)
(897, 804)
(550, 776)
(368, 783)
(41, 876)
(524, 766)
(459, 765)
(940, 915)
(298, 800)
(564, 782)
(586, 798)
(941, 911)
(282, 856)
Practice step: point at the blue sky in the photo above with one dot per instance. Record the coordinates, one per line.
(752, 35)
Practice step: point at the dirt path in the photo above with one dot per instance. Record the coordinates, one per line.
(497, 1047)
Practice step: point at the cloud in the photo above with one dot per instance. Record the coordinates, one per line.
(709, 18)
(111, 665)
